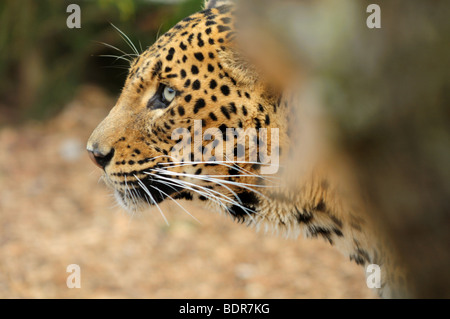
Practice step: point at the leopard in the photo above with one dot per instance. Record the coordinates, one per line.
(195, 82)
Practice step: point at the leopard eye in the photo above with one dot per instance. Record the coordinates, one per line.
(169, 94)
(162, 98)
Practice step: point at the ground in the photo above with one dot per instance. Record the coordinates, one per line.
(54, 212)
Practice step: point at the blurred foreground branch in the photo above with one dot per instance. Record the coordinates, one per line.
(385, 94)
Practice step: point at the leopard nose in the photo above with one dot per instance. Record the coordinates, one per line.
(100, 159)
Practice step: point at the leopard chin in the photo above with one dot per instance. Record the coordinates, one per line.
(142, 193)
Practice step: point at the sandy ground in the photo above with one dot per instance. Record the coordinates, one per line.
(54, 212)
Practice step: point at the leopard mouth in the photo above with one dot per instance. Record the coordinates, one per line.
(144, 192)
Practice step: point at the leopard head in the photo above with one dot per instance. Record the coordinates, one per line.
(194, 121)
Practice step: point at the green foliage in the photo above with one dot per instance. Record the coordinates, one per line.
(42, 62)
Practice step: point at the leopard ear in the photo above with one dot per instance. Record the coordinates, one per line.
(209, 4)
(237, 64)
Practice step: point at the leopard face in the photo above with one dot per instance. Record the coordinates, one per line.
(191, 83)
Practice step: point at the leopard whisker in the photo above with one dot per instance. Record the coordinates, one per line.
(92, 172)
(117, 49)
(188, 175)
(158, 32)
(210, 196)
(127, 40)
(223, 163)
(240, 169)
(212, 175)
(207, 192)
(208, 162)
(215, 180)
(117, 57)
(226, 199)
(145, 189)
(181, 206)
(187, 185)
(130, 197)
(140, 46)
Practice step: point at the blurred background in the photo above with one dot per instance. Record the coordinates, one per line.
(43, 62)
(55, 87)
